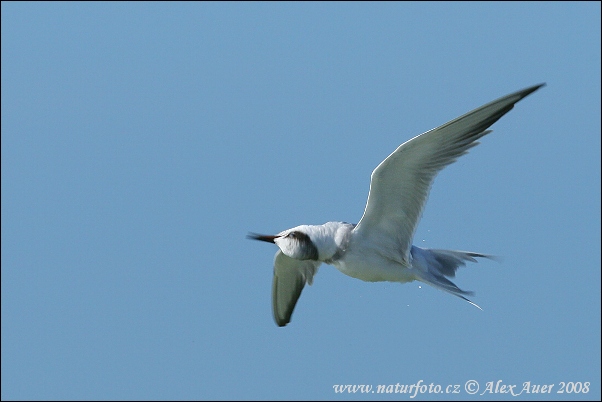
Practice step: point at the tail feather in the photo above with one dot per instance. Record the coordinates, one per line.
(433, 266)
(449, 261)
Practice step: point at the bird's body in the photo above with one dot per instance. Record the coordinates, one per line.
(379, 247)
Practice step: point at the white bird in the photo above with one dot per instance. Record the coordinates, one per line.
(379, 247)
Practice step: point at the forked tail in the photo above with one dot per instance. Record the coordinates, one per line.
(433, 266)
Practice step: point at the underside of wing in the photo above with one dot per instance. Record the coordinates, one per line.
(400, 185)
(290, 277)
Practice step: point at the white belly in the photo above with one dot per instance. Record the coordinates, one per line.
(372, 267)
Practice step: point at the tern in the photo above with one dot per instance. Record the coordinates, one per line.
(379, 247)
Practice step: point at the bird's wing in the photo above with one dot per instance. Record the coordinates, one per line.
(399, 186)
(290, 276)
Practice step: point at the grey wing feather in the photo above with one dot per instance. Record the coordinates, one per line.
(290, 277)
(399, 185)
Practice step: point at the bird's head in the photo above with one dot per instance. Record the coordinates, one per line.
(294, 243)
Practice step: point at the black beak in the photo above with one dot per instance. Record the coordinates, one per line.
(267, 238)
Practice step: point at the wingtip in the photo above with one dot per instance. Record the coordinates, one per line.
(281, 321)
(496, 258)
(530, 90)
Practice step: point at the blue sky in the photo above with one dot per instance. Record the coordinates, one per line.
(141, 142)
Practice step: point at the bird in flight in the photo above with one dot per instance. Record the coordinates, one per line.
(379, 247)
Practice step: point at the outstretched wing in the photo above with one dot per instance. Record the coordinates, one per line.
(290, 276)
(399, 186)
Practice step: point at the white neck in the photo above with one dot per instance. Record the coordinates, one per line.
(328, 238)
